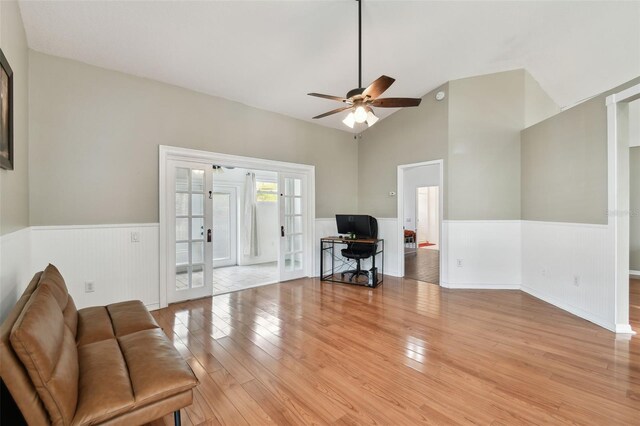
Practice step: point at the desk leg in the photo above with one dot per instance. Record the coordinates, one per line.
(321, 259)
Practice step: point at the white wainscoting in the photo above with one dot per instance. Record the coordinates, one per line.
(489, 252)
(121, 269)
(554, 254)
(541, 258)
(15, 268)
(387, 228)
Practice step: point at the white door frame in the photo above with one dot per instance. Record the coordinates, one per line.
(400, 195)
(618, 199)
(167, 153)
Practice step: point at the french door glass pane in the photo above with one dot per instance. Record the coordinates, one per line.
(182, 179)
(197, 180)
(197, 276)
(197, 204)
(182, 204)
(182, 254)
(182, 229)
(197, 252)
(222, 226)
(197, 228)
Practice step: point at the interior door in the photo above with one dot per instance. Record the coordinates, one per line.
(189, 236)
(293, 232)
(225, 216)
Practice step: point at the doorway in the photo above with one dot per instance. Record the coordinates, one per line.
(245, 228)
(219, 212)
(420, 215)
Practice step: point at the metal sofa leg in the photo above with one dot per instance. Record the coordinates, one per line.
(176, 417)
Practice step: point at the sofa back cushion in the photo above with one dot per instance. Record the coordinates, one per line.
(46, 347)
(52, 278)
(13, 373)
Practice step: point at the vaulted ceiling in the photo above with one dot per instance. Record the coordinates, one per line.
(269, 54)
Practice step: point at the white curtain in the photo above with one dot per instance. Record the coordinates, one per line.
(249, 220)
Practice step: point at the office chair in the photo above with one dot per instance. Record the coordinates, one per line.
(360, 251)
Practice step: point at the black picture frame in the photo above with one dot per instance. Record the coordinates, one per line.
(6, 115)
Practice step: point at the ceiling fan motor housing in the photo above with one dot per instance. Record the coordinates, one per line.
(355, 92)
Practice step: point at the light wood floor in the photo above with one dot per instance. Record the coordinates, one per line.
(305, 352)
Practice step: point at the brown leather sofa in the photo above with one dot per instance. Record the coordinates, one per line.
(101, 365)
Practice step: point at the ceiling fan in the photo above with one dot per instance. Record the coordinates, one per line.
(361, 100)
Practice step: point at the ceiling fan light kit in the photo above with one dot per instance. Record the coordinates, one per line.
(361, 100)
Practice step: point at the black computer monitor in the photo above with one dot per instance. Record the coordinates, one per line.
(361, 225)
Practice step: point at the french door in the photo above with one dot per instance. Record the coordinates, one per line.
(190, 211)
(293, 214)
(225, 204)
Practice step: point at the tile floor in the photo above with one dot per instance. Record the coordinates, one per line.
(234, 278)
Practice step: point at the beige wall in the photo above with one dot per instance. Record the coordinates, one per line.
(475, 130)
(409, 136)
(14, 185)
(538, 105)
(564, 165)
(634, 190)
(95, 136)
(486, 115)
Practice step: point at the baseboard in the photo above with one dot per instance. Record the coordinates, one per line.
(569, 308)
(634, 274)
(624, 329)
(153, 306)
(479, 286)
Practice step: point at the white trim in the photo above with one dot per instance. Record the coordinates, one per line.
(634, 273)
(153, 306)
(167, 153)
(569, 308)
(443, 243)
(627, 95)
(576, 224)
(479, 286)
(618, 201)
(102, 226)
(483, 221)
(15, 234)
(624, 329)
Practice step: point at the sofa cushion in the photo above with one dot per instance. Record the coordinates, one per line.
(156, 369)
(130, 317)
(104, 389)
(47, 349)
(94, 325)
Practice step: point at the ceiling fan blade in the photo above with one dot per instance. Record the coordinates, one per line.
(378, 87)
(335, 111)
(333, 98)
(396, 102)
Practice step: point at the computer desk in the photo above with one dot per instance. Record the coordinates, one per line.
(327, 244)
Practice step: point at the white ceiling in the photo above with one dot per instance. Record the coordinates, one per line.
(269, 54)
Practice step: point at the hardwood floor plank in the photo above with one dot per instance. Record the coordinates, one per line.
(309, 352)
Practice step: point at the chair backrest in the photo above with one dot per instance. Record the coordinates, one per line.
(13, 373)
(363, 248)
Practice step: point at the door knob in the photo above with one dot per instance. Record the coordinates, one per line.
(282, 231)
(208, 235)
